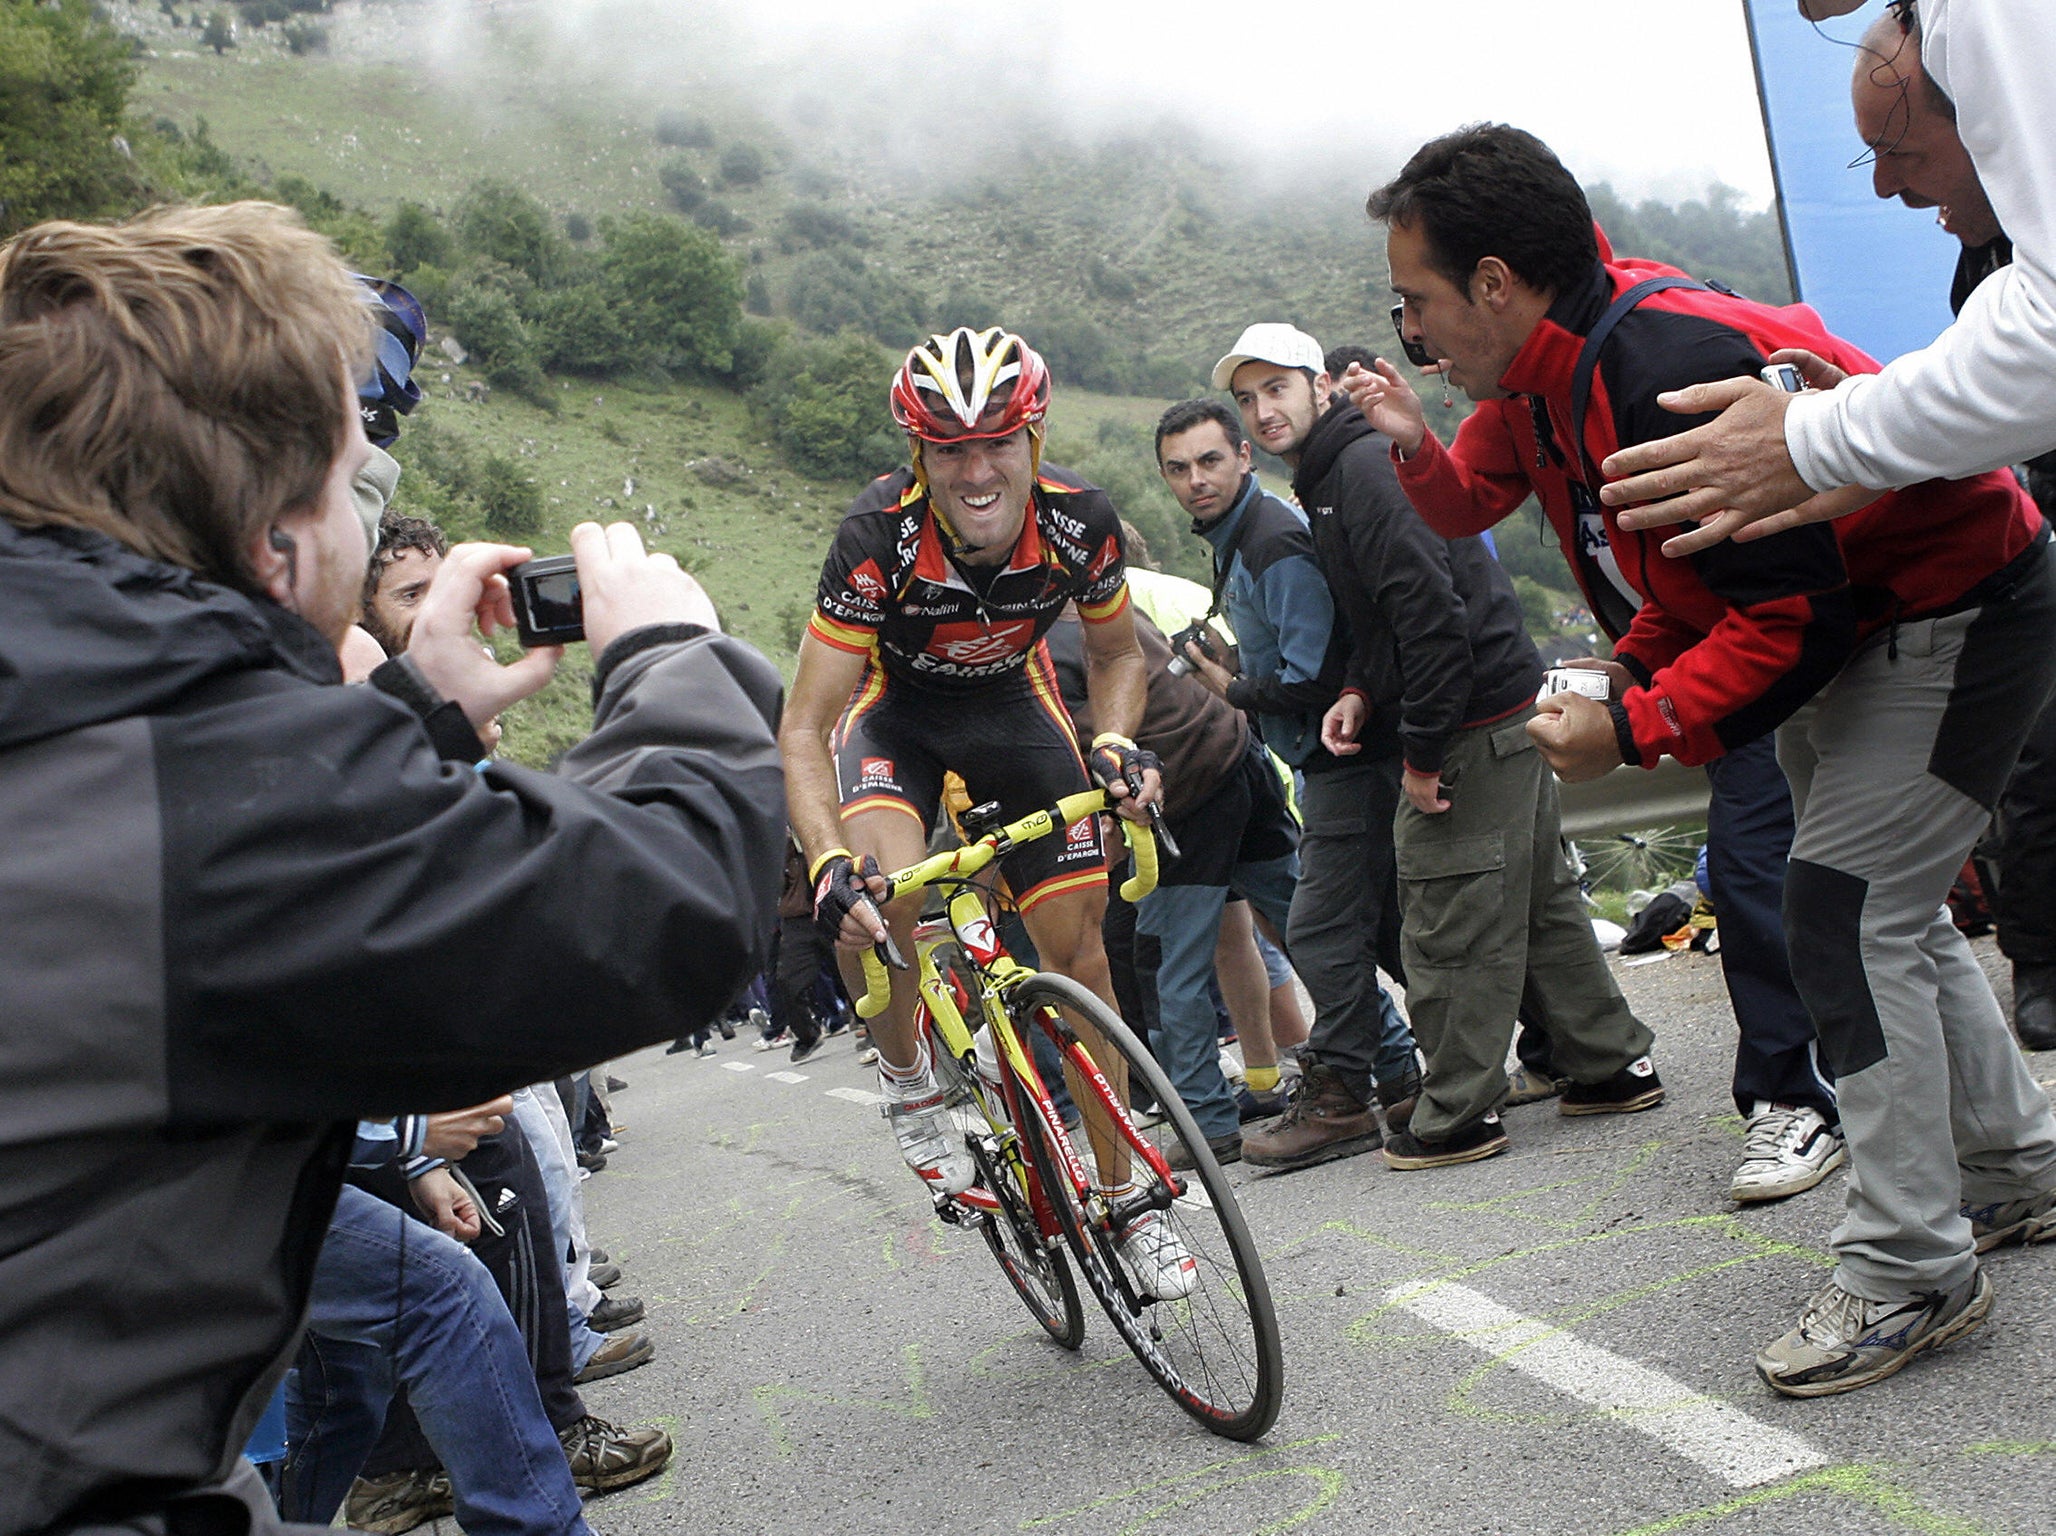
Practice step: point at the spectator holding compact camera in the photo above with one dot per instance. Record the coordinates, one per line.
(344, 916)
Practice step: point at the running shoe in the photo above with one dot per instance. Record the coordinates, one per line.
(2013, 1221)
(1844, 1342)
(1787, 1149)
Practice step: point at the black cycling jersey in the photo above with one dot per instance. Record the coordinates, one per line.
(888, 590)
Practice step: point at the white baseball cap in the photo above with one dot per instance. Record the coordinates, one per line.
(1271, 341)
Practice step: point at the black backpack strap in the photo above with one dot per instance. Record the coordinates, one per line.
(1588, 360)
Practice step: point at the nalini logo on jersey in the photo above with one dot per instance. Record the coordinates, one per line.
(974, 645)
(868, 580)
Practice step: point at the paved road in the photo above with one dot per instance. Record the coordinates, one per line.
(1554, 1341)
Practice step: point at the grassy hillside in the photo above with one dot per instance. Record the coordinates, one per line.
(1131, 265)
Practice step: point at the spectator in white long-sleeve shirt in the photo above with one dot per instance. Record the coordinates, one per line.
(1976, 399)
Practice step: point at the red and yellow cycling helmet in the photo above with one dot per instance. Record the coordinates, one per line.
(971, 384)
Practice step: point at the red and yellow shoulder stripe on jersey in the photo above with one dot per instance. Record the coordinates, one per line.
(844, 637)
(1112, 608)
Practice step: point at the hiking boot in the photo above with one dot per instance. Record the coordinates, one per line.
(1634, 1088)
(398, 1501)
(921, 1124)
(1787, 1149)
(615, 1313)
(605, 1276)
(1844, 1342)
(1325, 1121)
(622, 1352)
(1161, 1265)
(1226, 1149)
(806, 1050)
(2034, 1006)
(1467, 1144)
(1526, 1086)
(2032, 1220)
(1396, 1098)
(605, 1456)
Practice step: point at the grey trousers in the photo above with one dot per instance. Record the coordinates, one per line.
(1345, 921)
(1894, 768)
(1492, 923)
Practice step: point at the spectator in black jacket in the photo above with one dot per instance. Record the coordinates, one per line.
(1286, 671)
(1489, 911)
(341, 917)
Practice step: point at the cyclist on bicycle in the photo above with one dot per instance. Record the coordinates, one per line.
(925, 655)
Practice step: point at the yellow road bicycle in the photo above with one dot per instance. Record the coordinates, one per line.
(1048, 1189)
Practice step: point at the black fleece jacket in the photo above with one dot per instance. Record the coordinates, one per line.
(1435, 627)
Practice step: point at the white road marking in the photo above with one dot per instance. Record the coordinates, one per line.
(856, 1096)
(738, 1066)
(1724, 1440)
(787, 1077)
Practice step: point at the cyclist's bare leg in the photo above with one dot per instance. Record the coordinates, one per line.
(1245, 986)
(1288, 1020)
(895, 840)
(1066, 931)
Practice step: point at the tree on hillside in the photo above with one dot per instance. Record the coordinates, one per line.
(1714, 237)
(824, 400)
(499, 220)
(677, 292)
(415, 237)
(65, 78)
(744, 164)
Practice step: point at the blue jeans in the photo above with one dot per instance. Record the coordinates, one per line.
(1239, 838)
(396, 1301)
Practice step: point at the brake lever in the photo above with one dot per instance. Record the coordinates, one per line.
(1161, 828)
(888, 951)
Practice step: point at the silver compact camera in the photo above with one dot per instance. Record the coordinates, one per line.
(1592, 684)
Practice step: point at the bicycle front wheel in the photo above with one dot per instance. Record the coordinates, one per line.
(1216, 1350)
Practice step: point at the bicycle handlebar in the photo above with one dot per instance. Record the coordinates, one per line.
(972, 857)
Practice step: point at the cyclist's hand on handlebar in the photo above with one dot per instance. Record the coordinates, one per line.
(846, 897)
(1132, 776)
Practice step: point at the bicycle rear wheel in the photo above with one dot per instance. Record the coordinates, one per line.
(1035, 1268)
(1216, 1352)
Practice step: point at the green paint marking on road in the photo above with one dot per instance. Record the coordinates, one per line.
(1331, 1485)
(1644, 1156)
(1365, 1235)
(768, 1396)
(1855, 1483)
(1181, 1477)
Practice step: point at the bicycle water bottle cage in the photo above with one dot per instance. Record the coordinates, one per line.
(981, 819)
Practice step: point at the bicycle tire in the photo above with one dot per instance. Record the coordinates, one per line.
(1216, 1353)
(1038, 1273)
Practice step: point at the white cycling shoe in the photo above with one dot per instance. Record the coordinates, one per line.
(1163, 1266)
(921, 1123)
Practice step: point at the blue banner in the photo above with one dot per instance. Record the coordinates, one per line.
(1876, 270)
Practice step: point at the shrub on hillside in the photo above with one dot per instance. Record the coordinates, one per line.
(303, 37)
(577, 228)
(499, 220)
(578, 331)
(686, 187)
(678, 293)
(744, 164)
(717, 216)
(756, 340)
(219, 33)
(756, 295)
(824, 403)
(256, 13)
(683, 130)
(415, 237)
(68, 76)
(832, 291)
(966, 306)
(819, 227)
(513, 503)
(1078, 349)
(485, 318)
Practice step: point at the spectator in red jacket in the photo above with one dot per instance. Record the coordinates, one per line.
(1901, 655)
